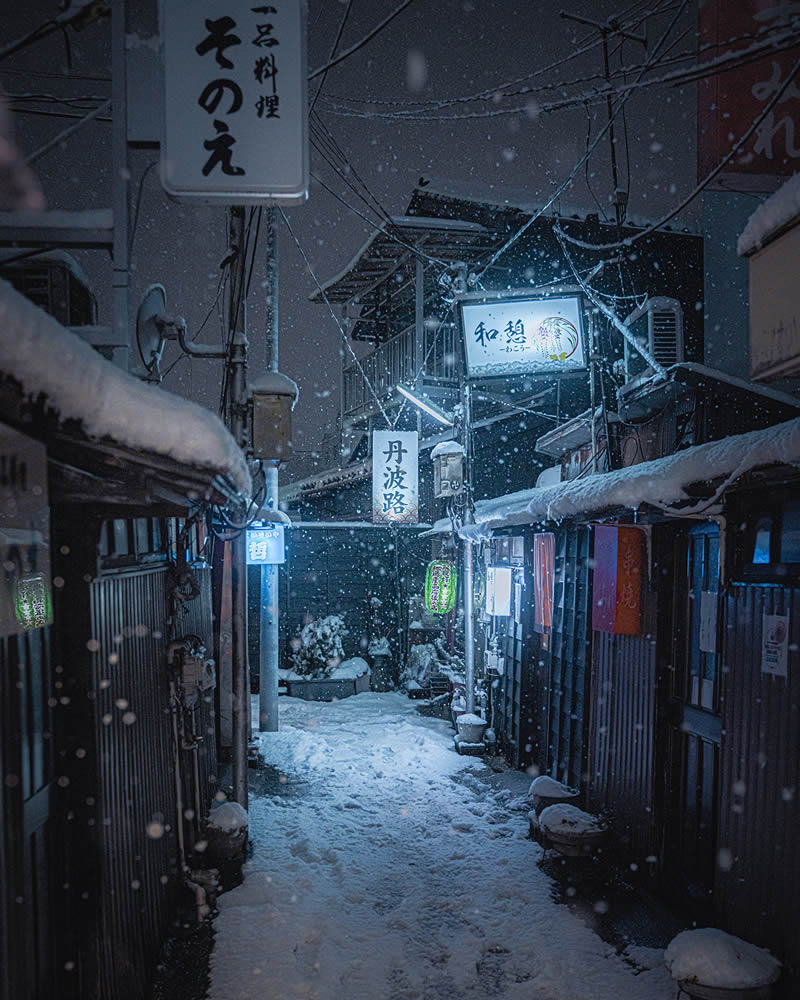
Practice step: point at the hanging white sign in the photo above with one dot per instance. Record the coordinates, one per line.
(395, 479)
(265, 545)
(235, 107)
(522, 335)
(775, 645)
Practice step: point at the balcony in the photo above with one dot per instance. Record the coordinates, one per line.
(437, 359)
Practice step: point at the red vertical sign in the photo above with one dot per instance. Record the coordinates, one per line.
(544, 565)
(729, 102)
(617, 579)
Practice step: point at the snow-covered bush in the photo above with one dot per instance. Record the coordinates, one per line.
(318, 649)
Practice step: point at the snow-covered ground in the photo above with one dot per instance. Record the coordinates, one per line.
(386, 868)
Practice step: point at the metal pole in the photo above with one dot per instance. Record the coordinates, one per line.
(120, 181)
(469, 635)
(268, 721)
(237, 423)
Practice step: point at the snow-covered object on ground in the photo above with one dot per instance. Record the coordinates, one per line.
(770, 216)
(660, 482)
(386, 865)
(422, 664)
(319, 648)
(546, 787)
(45, 358)
(380, 647)
(229, 817)
(447, 448)
(566, 819)
(275, 383)
(711, 957)
(350, 669)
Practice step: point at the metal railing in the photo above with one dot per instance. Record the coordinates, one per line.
(395, 361)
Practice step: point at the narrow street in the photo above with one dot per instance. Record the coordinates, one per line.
(388, 866)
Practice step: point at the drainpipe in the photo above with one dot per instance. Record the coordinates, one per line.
(469, 634)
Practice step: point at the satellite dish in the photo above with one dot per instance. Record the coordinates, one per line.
(150, 338)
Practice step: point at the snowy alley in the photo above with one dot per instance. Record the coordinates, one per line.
(388, 866)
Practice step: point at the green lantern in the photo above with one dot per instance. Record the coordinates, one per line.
(32, 605)
(440, 586)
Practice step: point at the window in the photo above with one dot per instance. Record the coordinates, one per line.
(763, 541)
(769, 539)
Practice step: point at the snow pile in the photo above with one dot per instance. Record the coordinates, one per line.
(45, 358)
(711, 957)
(770, 216)
(386, 865)
(319, 648)
(229, 817)
(660, 482)
(379, 647)
(277, 384)
(545, 787)
(447, 448)
(350, 669)
(423, 664)
(566, 819)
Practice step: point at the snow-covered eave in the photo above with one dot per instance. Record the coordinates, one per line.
(322, 481)
(78, 384)
(772, 218)
(660, 484)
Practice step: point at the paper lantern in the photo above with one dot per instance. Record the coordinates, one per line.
(440, 586)
(33, 607)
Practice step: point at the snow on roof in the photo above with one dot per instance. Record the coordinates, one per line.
(50, 256)
(771, 216)
(45, 358)
(658, 483)
(711, 957)
(447, 448)
(507, 198)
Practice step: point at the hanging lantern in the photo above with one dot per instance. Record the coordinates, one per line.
(440, 586)
(32, 605)
(448, 469)
(274, 396)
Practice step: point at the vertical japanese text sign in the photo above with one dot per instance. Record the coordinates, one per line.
(235, 100)
(395, 480)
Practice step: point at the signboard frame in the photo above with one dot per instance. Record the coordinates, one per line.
(505, 335)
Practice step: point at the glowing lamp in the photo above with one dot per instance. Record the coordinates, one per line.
(440, 586)
(33, 607)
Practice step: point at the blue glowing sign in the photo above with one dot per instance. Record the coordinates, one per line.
(265, 545)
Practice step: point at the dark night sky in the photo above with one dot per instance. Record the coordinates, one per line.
(432, 50)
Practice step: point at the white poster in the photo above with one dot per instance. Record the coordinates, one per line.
(533, 335)
(775, 645)
(708, 621)
(395, 479)
(235, 108)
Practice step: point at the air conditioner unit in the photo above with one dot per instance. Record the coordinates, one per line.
(658, 327)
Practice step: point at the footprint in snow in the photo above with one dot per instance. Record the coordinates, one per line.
(462, 827)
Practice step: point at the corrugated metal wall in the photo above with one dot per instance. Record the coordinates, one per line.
(622, 737)
(138, 852)
(758, 870)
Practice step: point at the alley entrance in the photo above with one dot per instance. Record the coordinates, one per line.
(386, 865)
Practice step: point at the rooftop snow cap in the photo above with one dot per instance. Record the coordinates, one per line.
(770, 217)
(276, 383)
(47, 359)
(447, 448)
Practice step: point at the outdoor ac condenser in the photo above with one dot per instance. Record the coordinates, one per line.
(658, 326)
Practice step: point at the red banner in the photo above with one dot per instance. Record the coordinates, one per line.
(544, 566)
(617, 579)
(729, 102)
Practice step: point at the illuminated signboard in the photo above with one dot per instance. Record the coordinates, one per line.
(498, 590)
(512, 336)
(395, 477)
(265, 545)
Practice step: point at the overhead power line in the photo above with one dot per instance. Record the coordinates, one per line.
(67, 132)
(360, 44)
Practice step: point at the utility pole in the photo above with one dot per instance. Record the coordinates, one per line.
(237, 422)
(268, 721)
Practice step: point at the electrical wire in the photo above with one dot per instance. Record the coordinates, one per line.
(138, 202)
(333, 53)
(360, 44)
(67, 132)
(336, 319)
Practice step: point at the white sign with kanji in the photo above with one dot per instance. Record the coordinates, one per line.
(519, 335)
(395, 479)
(265, 545)
(235, 100)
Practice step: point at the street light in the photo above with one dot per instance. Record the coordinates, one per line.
(441, 415)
